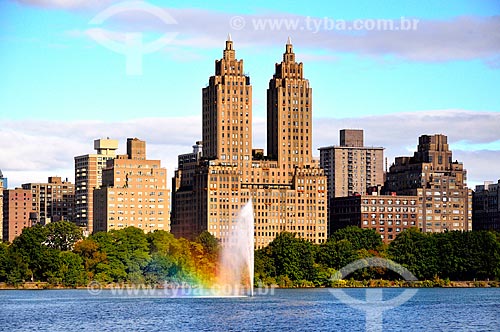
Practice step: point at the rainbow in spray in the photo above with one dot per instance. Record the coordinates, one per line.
(233, 274)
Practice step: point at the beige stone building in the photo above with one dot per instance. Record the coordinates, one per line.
(52, 201)
(287, 188)
(17, 207)
(352, 168)
(445, 202)
(133, 192)
(88, 175)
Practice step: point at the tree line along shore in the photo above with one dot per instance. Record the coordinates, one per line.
(57, 256)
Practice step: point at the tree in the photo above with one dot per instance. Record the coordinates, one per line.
(336, 254)
(294, 257)
(62, 235)
(127, 253)
(360, 238)
(13, 269)
(264, 265)
(32, 250)
(417, 252)
(210, 245)
(72, 271)
(93, 259)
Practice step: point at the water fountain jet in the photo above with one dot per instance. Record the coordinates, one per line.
(236, 267)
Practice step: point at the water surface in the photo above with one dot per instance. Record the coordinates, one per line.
(436, 309)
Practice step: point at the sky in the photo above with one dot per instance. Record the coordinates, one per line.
(77, 70)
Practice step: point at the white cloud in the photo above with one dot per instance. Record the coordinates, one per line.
(33, 150)
(459, 38)
(398, 134)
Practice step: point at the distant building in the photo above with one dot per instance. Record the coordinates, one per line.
(88, 176)
(16, 212)
(388, 215)
(486, 207)
(5, 182)
(133, 192)
(445, 202)
(52, 201)
(352, 168)
(192, 157)
(287, 187)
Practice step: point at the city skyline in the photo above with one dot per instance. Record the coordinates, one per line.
(78, 91)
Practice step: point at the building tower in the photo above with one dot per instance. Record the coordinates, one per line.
(289, 114)
(210, 191)
(133, 192)
(88, 176)
(352, 168)
(440, 184)
(227, 111)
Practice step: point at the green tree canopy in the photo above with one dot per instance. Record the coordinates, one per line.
(62, 235)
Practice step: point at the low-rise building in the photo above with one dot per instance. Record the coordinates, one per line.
(389, 215)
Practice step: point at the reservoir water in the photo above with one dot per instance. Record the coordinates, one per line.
(435, 309)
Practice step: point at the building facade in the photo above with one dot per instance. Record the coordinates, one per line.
(445, 202)
(388, 215)
(52, 201)
(133, 192)
(352, 168)
(1, 209)
(287, 188)
(88, 176)
(486, 207)
(17, 208)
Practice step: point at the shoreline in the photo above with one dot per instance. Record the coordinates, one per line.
(41, 285)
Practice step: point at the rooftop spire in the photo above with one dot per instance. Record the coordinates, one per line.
(229, 53)
(289, 41)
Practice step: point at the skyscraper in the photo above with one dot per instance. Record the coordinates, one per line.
(289, 115)
(286, 187)
(88, 176)
(227, 111)
(133, 192)
(445, 202)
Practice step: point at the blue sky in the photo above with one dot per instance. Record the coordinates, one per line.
(60, 89)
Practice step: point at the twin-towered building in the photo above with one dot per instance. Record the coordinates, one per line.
(287, 187)
(290, 191)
